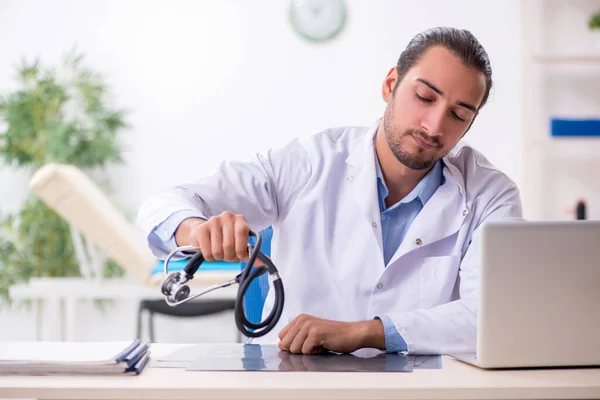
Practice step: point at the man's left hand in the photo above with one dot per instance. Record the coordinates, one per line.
(311, 335)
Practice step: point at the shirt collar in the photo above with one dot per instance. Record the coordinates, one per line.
(424, 189)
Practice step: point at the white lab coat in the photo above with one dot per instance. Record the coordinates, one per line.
(320, 196)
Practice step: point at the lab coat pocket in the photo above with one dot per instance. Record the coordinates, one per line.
(438, 278)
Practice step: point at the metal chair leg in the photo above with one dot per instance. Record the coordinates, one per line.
(139, 321)
(151, 326)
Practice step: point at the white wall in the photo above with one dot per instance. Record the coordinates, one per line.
(211, 80)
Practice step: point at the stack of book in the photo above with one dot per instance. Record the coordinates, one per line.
(74, 358)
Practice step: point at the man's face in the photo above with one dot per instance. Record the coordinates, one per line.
(432, 107)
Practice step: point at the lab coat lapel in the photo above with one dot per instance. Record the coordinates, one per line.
(362, 178)
(442, 216)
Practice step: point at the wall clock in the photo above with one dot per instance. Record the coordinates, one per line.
(317, 20)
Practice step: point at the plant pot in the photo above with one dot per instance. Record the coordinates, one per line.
(595, 45)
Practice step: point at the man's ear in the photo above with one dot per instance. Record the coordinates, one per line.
(389, 83)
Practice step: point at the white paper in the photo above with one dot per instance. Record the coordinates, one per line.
(80, 353)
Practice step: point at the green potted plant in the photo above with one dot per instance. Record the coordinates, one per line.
(594, 21)
(53, 116)
(593, 24)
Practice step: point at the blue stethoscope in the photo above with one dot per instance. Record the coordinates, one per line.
(176, 291)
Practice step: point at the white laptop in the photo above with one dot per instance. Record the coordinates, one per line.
(539, 300)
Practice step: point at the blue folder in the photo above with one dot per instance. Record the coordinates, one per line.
(575, 127)
(178, 265)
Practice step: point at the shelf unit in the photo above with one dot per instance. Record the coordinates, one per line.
(561, 78)
(566, 59)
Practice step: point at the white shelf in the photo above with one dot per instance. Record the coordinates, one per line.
(583, 146)
(567, 59)
(557, 169)
(570, 140)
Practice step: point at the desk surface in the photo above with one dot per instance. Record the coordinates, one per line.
(455, 380)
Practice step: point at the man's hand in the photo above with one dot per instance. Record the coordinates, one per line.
(223, 237)
(311, 335)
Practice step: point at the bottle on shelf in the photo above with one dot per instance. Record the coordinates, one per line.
(580, 210)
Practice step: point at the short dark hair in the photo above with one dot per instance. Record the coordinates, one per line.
(460, 42)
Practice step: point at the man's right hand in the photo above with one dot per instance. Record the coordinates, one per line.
(220, 238)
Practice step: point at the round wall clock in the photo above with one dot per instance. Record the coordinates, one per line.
(317, 20)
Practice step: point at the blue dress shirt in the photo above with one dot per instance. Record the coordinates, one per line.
(395, 221)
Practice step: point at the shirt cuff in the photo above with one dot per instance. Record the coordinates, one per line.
(394, 342)
(163, 235)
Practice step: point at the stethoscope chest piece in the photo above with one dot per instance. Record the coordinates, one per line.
(173, 289)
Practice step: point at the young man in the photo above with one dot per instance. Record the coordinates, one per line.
(375, 229)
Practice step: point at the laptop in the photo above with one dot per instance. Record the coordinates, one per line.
(539, 299)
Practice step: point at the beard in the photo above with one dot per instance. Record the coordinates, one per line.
(398, 144)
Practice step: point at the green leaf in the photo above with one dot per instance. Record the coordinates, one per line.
(594, 21)
(29, 71)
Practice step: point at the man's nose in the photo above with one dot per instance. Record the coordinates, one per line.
(433, 123)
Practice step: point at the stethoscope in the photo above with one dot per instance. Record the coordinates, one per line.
(176, 291)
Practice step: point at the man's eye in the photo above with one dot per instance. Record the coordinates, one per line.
(455, 115)
(423, 99)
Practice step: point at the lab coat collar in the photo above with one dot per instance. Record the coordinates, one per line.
(363, 154)
(364, 149)
(362, 176)
(450, 162)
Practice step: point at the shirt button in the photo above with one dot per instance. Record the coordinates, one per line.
(374, 224)
(465, 212)
(350, 178)
(418, 242)
(382, 217)
(379, 285)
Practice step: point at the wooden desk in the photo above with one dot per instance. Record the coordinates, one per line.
(454, 381)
